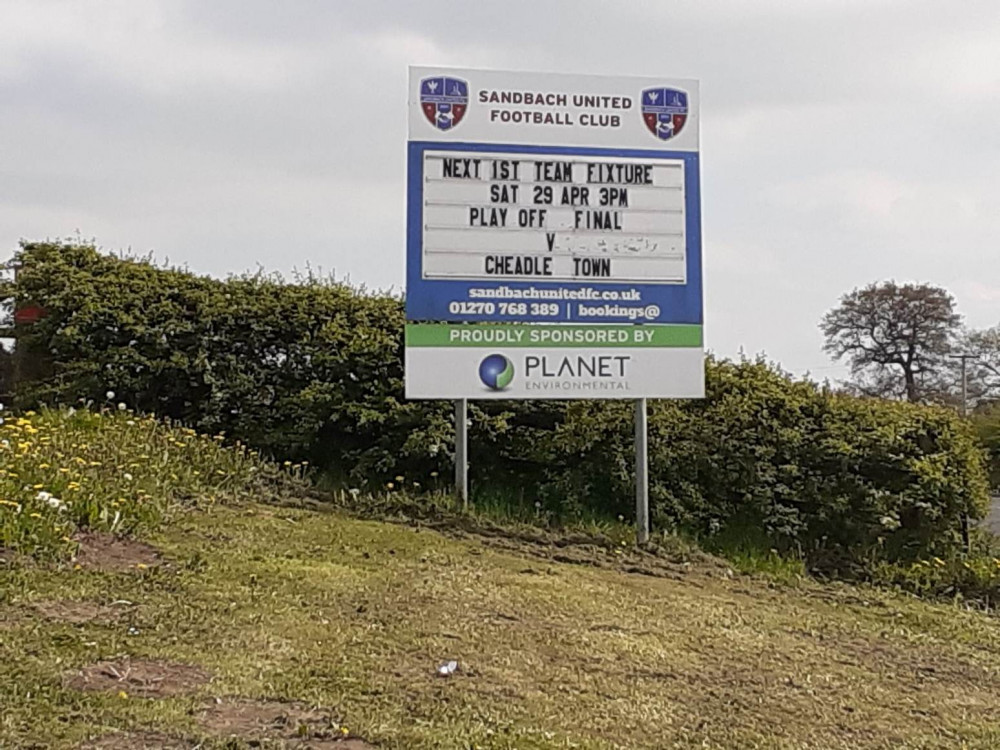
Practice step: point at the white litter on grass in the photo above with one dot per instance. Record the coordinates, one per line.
(52, 502)
(448, 669)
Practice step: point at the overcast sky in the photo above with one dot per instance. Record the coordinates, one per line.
(843, 141)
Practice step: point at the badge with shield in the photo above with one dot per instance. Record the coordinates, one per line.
(665, 110)
(444, 100)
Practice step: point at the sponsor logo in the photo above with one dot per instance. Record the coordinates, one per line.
(444, 100)
(496, 372)
(665, 111)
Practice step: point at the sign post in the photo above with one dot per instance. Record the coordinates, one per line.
(553, 242)
(462, 452)
(641, 473)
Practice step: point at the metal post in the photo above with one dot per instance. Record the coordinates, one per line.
(641, 473)
(462, 452)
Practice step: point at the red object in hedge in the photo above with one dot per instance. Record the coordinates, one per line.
(28, 314)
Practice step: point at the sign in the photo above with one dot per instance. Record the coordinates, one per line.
(454, 360)
(557, 202)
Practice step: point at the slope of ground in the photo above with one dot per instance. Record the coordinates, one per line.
(291, 627)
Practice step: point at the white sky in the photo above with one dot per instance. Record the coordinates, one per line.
(843, 141)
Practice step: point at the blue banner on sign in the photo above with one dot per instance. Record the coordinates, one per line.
(586, 301)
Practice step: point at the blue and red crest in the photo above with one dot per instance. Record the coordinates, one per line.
(665, 111)
(444, 101)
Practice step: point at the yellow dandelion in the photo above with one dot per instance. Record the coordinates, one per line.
(389, 485)
(122, 694)
(141, 566)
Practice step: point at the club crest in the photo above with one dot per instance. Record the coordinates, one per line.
(444, 101)
(665, 111)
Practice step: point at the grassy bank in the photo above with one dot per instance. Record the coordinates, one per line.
(62, 471)
(355, 617)
(232, 623)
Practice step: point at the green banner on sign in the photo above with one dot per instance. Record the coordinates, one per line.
(545, 335)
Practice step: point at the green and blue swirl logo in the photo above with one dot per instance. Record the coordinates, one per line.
(496, 372)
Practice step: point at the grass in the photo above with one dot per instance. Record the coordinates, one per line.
(63, 470)
(749, 551)
(354, 615)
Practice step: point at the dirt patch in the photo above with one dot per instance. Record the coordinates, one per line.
(140, 678)
(137, 741)
(277, 720)
(625, 559)
(79, 612)
(10, 618)
(107, 552)
(551, 544)
(11, 559)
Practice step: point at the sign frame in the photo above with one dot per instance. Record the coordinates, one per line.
(582, 119)
(430, 299)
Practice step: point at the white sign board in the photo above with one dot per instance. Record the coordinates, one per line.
(542, 199)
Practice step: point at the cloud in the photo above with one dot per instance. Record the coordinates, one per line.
(845, 141)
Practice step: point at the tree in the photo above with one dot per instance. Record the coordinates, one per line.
(982, 371)
(895, 337)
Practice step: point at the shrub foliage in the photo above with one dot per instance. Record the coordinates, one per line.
(313, 371)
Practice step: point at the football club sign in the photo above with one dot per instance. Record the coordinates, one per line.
(665, 111)
(444, 101)
(553, 236)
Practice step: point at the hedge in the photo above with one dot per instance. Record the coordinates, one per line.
(312, 371)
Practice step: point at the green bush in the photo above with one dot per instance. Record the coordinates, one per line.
(836, 479)
(973, 579)
(313, 371)
(987, 424)
(310, 371)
